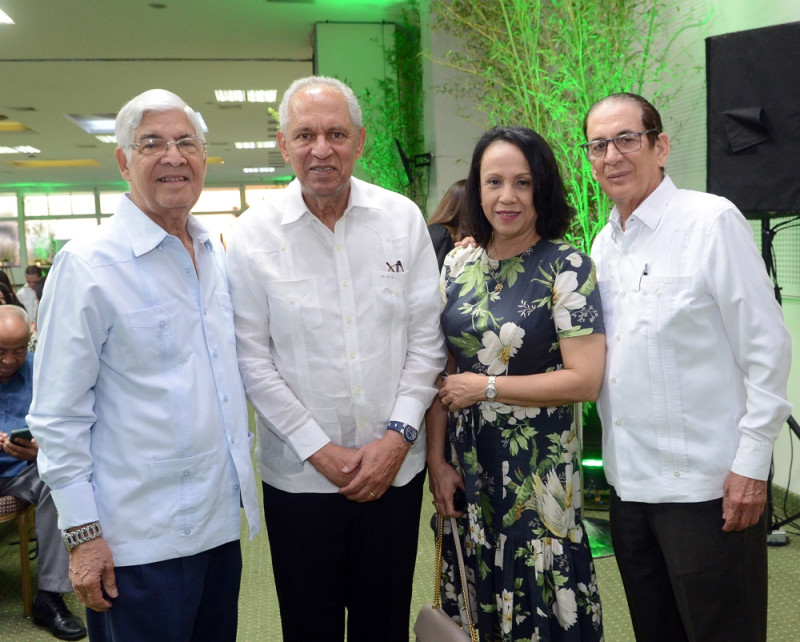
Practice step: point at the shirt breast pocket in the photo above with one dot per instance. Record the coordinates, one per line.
(156, 336)
(668, 299)
(391, 295)
(294, 304)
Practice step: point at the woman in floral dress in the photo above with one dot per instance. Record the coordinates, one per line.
(523, 326)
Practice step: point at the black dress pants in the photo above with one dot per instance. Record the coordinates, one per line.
(684, 578)
(331, 555)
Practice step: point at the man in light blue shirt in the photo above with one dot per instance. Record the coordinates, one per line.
(138, 406)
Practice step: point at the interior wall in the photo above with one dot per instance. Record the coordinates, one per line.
(685, 121)
(452, 129)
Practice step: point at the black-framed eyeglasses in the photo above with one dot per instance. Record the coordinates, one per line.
(625, 144)
(189, 146)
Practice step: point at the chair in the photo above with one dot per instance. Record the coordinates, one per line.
(12, 508)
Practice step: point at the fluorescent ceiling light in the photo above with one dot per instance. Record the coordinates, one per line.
(5, 18)
(256, 144)
(104, 125)
(22, 149)
(262, 95)
(12, 126)
(259, 170)
(107, 138)
(246, 95)
(230, 95)
(42, 164)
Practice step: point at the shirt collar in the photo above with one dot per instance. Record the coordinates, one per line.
(145, 234)
(296, 207)
(651, 209)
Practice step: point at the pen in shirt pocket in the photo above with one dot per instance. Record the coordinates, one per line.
(642, 275)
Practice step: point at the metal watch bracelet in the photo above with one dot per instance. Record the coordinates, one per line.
(81, 535)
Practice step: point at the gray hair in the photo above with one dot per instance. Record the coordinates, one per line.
(152, 100)
(8, 310)
(324, 81)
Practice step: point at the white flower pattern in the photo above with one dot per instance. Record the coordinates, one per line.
(529, 567)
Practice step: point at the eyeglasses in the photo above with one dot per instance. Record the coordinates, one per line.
(159, 147)
(625, 144)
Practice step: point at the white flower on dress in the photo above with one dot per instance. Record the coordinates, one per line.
(565, 607)
(498, 350)
(569, 442)
(554, 502)
(498, 551)
(506, 607)
(566, 299)
(506, 479)
(526, 412)
(575, 259)
(490, 410)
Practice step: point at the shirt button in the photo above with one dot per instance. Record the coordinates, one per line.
(214, 353)
(236, 487)
(613, 380)
(185, 473)
(618, 422)
(225, 398)
(617, 337)
(161, 324)
(357, 391)
(187, 531)
(349, 318)
(677, 474)
(345, 283)
(338, 247)
(622, 293)
(352, 355)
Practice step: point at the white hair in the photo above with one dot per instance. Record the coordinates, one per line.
(152, 100)
(325, 81)
(8, 310)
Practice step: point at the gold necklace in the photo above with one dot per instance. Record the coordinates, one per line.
(499, 286)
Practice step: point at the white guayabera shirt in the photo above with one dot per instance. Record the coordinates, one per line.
(697, 352)
(337, 332)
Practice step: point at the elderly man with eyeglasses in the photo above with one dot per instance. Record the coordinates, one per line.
(138, 406)
(694, 394)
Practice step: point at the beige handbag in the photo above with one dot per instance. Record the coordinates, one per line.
(433, 624)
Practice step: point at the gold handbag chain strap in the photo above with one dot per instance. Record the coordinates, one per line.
(437, 579)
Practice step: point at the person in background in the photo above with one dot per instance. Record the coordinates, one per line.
(138, 405)
(694, 394)
(19, 476)
(447, 225)
(524, 331)
(26, 294)
(337, 326)
(7, 297)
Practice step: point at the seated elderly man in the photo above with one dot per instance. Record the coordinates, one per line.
(19, 475)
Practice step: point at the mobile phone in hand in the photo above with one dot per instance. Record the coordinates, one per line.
(19, 434)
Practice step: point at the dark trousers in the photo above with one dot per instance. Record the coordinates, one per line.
(330, 555)
(684, 578)
(188, 598)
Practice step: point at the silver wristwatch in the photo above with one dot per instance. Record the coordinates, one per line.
(81, 535)
(491, 391)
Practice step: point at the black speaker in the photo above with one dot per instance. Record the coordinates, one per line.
(753, 102)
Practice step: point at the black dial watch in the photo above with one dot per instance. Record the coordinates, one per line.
(407, 431)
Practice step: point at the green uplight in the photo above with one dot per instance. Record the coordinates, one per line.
(592, 463)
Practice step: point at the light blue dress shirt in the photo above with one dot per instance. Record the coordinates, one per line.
(138, 406)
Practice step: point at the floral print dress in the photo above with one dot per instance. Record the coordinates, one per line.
(529, 567)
